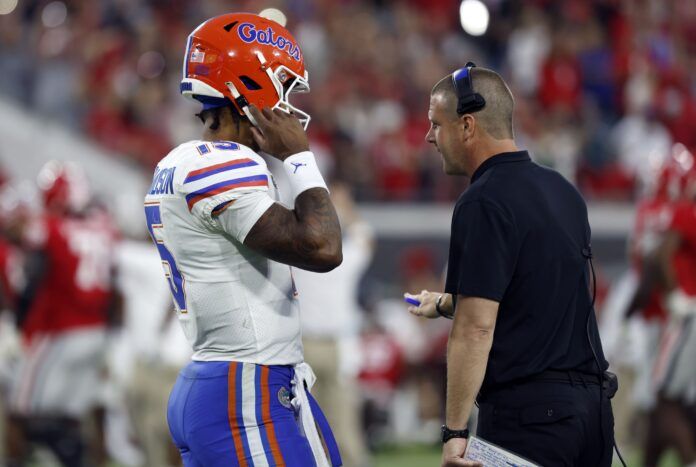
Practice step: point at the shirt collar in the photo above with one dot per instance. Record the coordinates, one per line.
(503, 157)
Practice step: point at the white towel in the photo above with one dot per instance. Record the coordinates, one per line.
(305, 375)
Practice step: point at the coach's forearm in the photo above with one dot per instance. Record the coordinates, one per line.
(467, 356)
(466, 366)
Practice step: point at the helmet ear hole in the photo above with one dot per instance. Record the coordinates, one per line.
(250, 84)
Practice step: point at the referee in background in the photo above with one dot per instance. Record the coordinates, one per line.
(524, 342)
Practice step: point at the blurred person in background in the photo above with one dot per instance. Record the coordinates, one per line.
(635, 315)
(228, 246)
(381, 376)
(14, 217)
(672, 422)
(70, 302)
(331, 323)
(14, 213)
(151, 352)
(415, 407)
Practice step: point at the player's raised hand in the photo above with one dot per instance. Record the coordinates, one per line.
(427, 300)
(278, 133)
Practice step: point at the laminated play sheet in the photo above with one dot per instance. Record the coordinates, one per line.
(490, 455)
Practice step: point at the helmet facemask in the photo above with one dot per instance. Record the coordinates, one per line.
(285, 82)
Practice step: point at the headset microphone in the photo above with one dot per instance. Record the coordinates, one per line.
(607, 380)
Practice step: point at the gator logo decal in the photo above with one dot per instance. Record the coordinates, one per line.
(284, 397)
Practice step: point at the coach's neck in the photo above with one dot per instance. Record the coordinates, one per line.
(487, 147)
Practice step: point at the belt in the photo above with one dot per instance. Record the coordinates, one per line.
(549, 376)
(568, 376)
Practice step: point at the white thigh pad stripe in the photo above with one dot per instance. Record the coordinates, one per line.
(249, 415)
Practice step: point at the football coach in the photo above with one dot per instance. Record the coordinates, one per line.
(524, 342)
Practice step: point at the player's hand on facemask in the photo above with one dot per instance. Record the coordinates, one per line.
(427, 300)
(278, 133)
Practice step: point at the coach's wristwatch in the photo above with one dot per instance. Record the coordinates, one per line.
(448, 434)
(438, 302)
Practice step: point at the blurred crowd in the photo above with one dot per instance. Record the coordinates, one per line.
(603, 91)
(603, 87)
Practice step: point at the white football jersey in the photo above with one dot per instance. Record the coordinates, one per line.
(233, 303)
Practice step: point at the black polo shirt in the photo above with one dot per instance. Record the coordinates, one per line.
(518, 234)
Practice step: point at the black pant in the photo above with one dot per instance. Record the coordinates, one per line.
(551, 423)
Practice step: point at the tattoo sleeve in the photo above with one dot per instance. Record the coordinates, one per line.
(308, 237)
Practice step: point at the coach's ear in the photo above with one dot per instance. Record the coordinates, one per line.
(466, 126)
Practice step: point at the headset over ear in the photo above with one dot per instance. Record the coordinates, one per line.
(468, 101)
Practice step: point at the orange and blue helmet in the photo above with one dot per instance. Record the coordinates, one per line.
(243, 58)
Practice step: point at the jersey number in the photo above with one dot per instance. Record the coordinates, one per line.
(171, 270)
(93, 261)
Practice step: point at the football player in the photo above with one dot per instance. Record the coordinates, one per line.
(68, 299)
(674, 370)
(639, 296)
(14, 214)
(227, 246)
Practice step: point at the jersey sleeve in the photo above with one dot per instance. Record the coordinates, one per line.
(227, 177)
(483, 251)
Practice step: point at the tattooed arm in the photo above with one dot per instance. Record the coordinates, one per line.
(308, 237)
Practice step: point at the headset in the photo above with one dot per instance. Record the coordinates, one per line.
(468, 101)
(607, 380)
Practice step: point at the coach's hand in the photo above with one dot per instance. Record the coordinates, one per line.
(453, 454)
(427, 304)
(278, 133)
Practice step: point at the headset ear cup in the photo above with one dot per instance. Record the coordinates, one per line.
(467, 100)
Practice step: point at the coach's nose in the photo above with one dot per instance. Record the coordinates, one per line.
(430, 136)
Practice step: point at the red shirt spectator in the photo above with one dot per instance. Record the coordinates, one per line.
(560, 85)
(684, 261)
(75, 288)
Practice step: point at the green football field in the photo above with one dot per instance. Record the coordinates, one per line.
(419, 455)
(426, 456)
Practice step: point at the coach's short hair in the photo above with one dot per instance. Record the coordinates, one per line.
(496, 116)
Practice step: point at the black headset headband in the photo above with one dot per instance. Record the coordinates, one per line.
(468, 101)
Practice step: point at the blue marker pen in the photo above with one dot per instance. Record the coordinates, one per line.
(412, 301)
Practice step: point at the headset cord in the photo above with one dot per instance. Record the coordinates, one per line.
(588, 254)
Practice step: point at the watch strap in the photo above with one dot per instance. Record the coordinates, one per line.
(448, 434)
(439, 310)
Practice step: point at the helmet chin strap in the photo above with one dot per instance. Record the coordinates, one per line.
(241, 101)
